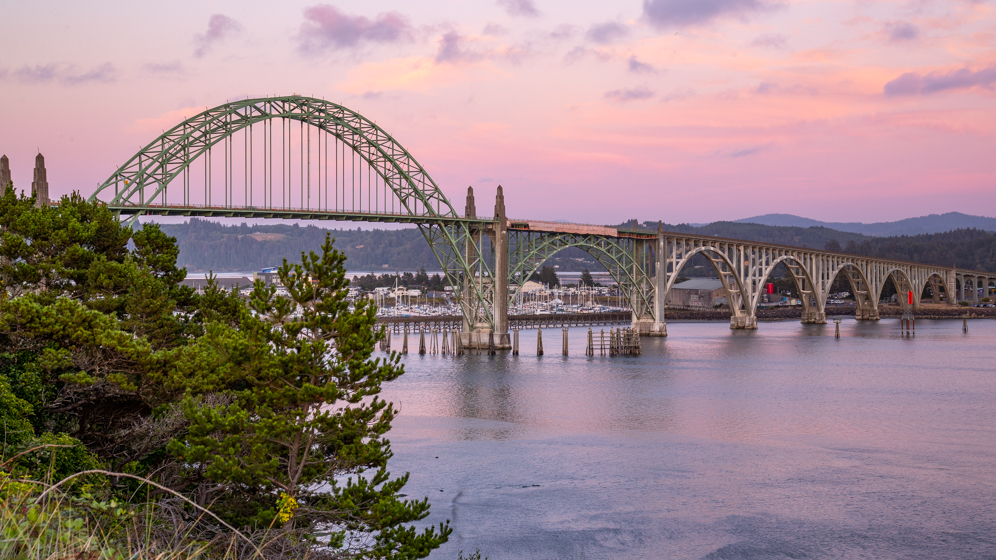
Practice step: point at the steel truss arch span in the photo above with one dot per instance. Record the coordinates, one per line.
(624, 258)
(140, 185)
(144, 178)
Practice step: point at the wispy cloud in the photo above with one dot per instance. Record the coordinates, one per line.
(105, 73)
(494, 30)
(745, 152)
(37, 74)
(638, 67)
(564, 31)
(630, 94)
(327, 28)
(65, 74)
(220, 26)
(452, 49)
(901, 31)
(519, 8)
(174, 67)
(608, 32)
(771, 41)
(677, 13)
(912, 83)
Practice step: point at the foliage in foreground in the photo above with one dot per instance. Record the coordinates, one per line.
(204, 416)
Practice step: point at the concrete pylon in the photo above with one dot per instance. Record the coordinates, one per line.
(39, 187)
(4, 172)
(659, 328)
(470, 250)
(499, 241)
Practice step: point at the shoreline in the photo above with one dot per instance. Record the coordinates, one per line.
(884, 311)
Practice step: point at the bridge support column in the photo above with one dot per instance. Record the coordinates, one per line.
(659, 327)
(951, 287)
(499, 240)
(975, 290)
(474, 334)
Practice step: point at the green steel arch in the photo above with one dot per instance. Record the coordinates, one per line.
(624, 258)
(144, 178)
(140, 185)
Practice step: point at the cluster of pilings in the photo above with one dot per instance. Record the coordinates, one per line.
(616, 342)
(907, 324)
(516, 322)
(445, 342)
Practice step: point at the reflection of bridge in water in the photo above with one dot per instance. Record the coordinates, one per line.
(309, 159)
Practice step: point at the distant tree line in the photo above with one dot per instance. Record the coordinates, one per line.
(420, 279)
(962, 248)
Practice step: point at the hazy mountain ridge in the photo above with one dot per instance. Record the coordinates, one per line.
(932, 223)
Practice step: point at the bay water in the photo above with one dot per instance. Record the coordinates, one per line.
(784, 442)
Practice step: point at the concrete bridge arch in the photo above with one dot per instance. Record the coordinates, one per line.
(741, 304)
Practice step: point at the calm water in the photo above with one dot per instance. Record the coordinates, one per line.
(779, 443)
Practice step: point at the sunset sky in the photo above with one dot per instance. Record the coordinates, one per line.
(596, 112)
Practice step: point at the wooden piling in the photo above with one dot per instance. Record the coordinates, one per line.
(515, 342)
(539, 342)
(565, 341)
(404, 343)
(590, 350)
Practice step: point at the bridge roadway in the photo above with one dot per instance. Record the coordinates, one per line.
(335, 164)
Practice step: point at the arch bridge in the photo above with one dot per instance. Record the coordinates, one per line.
(303, 158)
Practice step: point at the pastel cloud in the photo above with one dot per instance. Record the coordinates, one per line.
(637, 67)
(770, 40)
(525, 8)
(912, 83)
(452, 49)
(608, 32)
(174, 67)
(65, 74)
(219, 28)
(630, 94)
(679, 13)
(327, 28)
(901, 31)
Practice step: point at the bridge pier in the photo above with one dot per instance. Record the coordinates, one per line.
(648, 327)
(813, 316)
(866, 314)
(748, 322)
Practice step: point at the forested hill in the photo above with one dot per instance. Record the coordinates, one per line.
(964, 248)
(206, 245)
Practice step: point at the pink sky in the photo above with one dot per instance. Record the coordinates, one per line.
(596, 112)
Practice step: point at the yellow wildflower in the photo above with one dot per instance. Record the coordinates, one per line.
(287, 505)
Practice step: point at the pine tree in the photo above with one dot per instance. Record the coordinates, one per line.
(303, 413)
(586, 279)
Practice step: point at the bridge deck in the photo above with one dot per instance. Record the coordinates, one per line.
(288, 214)
(538, 226)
